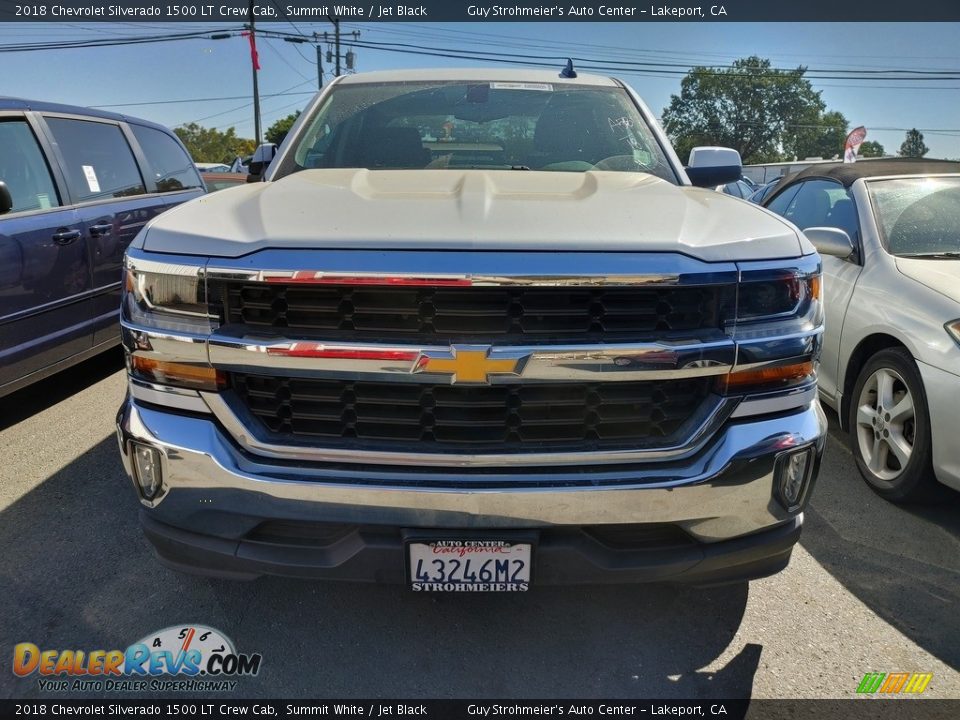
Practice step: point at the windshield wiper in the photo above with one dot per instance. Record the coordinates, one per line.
(946, 255)
(519, 167)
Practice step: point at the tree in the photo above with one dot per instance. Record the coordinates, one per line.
(871, 148)
(913, 146)
(750, 107)
(278, 131)
(212, 145)
(819, 134)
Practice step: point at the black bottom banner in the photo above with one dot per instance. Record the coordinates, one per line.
(853, 709)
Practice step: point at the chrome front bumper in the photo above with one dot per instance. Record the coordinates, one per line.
(212, 487)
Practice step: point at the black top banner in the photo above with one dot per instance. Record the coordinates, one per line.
(273, 11)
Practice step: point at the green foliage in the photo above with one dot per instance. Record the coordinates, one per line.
(871, 149)
(278, 131)
(750, 107)
(913, 146)
(820, 134)
(212, 145)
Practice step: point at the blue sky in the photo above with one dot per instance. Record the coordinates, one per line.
(215, 69)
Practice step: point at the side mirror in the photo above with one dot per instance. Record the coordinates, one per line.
(830, 241)
(712, 166)
(260, 161)
(6, 199)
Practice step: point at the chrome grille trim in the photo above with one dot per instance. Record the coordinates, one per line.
(543, 363)
(485, 268)
(243, 428)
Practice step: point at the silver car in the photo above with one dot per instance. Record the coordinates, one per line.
(891, 355)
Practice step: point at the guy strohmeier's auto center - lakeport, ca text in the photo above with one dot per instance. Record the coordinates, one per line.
(370, 12)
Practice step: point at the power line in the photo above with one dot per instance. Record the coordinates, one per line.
(657, 67)
(112, 41)
(298, 31)
(646, 67)
(499, 40)
(203, 99)
(286, 62)
(247, 105)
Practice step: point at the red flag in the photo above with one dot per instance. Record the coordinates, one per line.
(254, 55)
(852, 144)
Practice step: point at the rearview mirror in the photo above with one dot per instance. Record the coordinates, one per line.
(6, 199)
(260, 161)
(830, 241)
(712, 166)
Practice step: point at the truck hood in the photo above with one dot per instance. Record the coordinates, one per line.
(474, 210)
(942, 276)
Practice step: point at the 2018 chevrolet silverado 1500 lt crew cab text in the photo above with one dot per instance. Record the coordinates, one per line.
(475, 330)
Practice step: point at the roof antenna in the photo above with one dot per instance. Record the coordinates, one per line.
(568, 71)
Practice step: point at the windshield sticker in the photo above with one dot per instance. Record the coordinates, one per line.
(546, 87)
(91, 176)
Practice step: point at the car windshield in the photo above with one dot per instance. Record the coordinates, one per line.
(918, 217)
(485, 125)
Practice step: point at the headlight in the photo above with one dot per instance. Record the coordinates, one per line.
(779, 301)
(778, 327)
(777, 298)
(166, 296)
(954, 329)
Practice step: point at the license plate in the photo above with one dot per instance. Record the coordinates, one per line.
(469, 566)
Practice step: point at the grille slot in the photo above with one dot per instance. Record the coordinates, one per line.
(437, 313)
(565, 416)
(659, 536)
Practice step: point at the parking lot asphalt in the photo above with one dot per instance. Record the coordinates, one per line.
(872, 587)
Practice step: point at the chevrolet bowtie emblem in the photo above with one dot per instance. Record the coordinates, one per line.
(468, 364)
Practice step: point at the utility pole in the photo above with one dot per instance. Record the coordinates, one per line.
(336, 33)
(254, 63)
(335, 56)
(319, 67)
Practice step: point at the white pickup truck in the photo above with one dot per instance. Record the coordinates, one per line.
(474, 330)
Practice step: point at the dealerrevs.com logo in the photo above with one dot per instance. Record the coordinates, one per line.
(177, 658)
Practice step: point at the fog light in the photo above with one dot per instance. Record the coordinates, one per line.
(146, 468)
(792, 473)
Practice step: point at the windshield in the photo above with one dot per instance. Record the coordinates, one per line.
(918, 216)
(487, 125)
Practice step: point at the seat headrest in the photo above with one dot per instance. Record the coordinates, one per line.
(568, 130)
(393, 147)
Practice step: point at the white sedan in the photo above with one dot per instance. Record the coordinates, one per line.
(890, 364)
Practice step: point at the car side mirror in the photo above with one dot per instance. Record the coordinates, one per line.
(830, 241)
(260, 162)
(6, 199)
(712, 166)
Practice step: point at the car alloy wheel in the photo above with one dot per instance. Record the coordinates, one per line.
(886, 424)
(890, 428)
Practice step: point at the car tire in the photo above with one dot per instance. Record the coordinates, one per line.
(890, 428)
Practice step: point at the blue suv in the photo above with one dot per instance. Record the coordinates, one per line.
(76, 186)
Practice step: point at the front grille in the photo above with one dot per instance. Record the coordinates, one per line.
(565, 416)
(476, 313)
